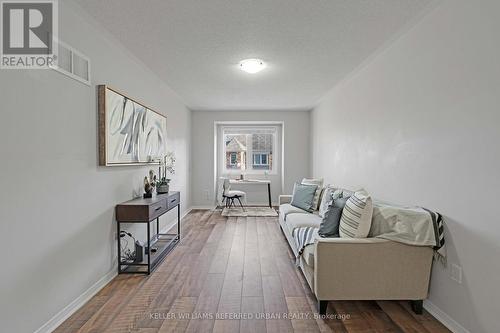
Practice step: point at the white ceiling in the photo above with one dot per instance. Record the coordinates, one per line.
(308, 45)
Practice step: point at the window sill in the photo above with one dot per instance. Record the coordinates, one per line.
(233, 173)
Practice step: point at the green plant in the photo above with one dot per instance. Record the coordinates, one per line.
(163, 181)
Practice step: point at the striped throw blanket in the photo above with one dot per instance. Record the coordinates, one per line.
(409, 225)
(304, 236)
(439, 248)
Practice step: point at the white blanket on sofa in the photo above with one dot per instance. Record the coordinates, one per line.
(408, 225)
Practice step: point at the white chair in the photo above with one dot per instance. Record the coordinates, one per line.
(228, 195)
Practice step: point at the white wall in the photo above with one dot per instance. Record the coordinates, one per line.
(57, 205)
(296, 154)
(420, 124)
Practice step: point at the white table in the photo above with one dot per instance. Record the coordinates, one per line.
(254, 182)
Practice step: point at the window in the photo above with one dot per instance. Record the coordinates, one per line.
(234, 158)
(249, 149)
(260, 160)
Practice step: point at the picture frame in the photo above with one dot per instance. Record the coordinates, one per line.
(130, 133)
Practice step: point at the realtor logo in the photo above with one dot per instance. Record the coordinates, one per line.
(28, 32)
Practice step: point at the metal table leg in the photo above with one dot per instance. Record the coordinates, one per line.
(269, 194)
(179, 221)
(119, 247)
(149, 248)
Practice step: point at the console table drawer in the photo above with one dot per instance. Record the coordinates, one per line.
(157, 209)
(145, 210)
(173, 200)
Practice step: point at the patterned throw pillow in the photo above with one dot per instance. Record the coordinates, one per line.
(356, 217)
(329, 194)
(319, 183)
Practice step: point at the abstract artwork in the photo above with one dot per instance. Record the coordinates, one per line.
(129, 132)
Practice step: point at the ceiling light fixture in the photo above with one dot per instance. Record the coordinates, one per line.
(252, 66)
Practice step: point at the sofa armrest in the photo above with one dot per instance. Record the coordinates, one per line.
(370, 268)
(284, 199)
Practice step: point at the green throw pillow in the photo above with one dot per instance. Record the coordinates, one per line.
(329, 226)
(303, 196)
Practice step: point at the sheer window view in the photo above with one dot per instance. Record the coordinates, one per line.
(249, 149)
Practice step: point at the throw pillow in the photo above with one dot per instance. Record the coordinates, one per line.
(303, 196)
(329, 194)
(329, 226)
(356, 217)
(319, 183)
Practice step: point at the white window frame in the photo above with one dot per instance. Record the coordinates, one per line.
(279, 159)
(260, 159)
(271, 128)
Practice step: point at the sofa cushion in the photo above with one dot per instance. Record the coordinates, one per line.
(286, 209)
(357, 216)
(297, 220)
(319, 189)
(303, 196)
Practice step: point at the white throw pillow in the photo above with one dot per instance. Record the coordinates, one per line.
(356, 217)
(329, 194)
(319, 183)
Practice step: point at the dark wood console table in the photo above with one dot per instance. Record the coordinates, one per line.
(145, 211)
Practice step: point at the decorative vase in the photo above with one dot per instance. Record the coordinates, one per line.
(162, 188)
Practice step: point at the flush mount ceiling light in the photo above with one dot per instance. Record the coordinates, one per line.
(252, 66)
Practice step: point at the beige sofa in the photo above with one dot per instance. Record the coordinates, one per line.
(358, 269)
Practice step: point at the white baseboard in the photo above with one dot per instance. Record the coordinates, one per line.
(172, 223)
(76, 304)
(209, 207)
(444, 318)
(187, 211)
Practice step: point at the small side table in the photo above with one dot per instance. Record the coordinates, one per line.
(146, 211)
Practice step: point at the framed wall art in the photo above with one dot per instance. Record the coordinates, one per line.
(130, 133)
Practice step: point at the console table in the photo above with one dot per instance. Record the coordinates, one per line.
(146, 211)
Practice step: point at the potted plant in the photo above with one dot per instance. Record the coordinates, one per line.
(167, 166)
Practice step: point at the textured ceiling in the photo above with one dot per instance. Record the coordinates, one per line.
(308, 45)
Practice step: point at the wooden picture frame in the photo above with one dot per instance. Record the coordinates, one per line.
(130, 133)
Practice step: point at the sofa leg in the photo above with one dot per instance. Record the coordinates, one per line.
(417, 306)
(322, 305)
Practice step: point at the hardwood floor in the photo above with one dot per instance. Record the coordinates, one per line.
(228, 266)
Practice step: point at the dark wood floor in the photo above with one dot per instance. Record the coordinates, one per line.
(225, 266)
